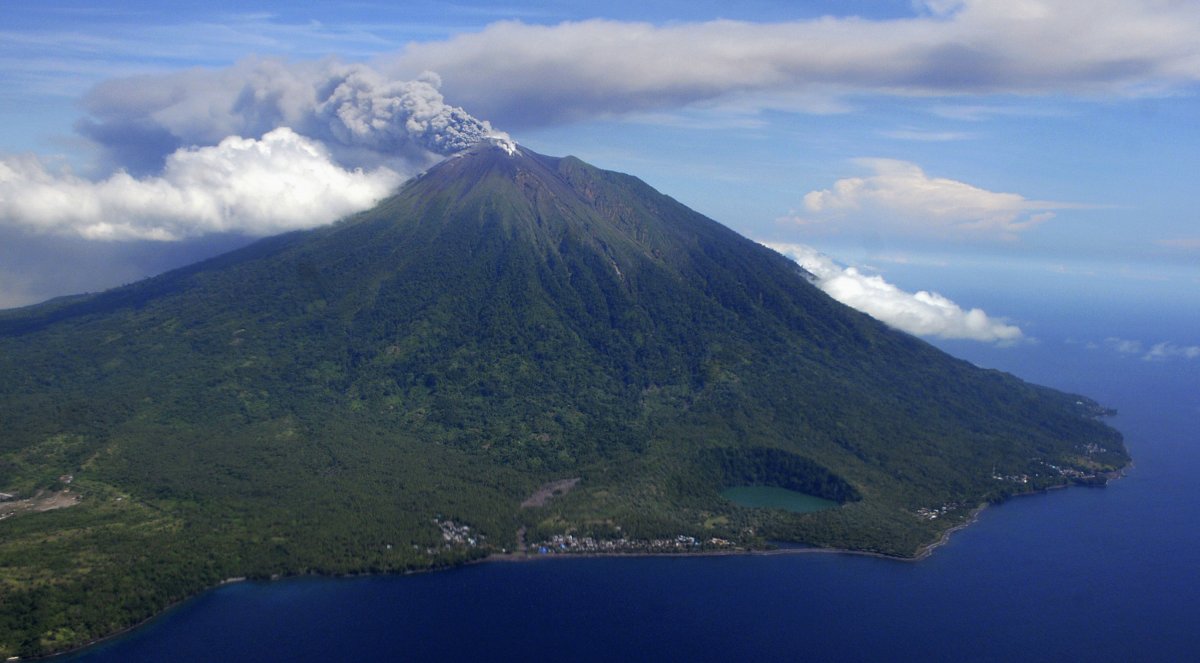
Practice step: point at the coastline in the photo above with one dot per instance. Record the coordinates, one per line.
(517, 557)
(127, 630)
(973, 517)
(502, 558)
(920, 554)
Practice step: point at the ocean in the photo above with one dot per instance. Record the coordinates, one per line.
(1105, 574)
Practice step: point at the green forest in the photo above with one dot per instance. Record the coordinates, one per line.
(339, 401)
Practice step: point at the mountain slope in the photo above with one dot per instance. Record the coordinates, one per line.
(352, 398)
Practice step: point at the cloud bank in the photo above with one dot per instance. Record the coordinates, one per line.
(394, 113)
(173, 145)
(900, 196)
(526, 75)
(280, 182)
(922, 313)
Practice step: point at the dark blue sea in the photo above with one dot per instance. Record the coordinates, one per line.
(1109, 574)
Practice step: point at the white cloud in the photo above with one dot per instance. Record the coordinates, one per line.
(335, 139)
(1124, 346)
(521, 74)
(987, 46)
(900, 196)
(280, 182)
(1158, 352)
(1163, 351)
(922, 313)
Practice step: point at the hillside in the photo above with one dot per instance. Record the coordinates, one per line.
(384, 393)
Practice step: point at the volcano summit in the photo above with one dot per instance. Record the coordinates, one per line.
(385, 393)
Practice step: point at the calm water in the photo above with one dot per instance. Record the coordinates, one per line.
(1104, 574)
(774, 497)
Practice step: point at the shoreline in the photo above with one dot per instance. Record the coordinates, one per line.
(498, 558)
(920, 554)
(525, 557)
(973, 517)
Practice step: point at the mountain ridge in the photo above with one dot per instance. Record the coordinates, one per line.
(350, 398)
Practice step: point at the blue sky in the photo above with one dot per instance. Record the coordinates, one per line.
(949, 146)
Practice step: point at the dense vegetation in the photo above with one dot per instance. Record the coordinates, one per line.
(326, 402)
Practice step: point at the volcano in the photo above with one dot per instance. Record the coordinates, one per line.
(513, 352)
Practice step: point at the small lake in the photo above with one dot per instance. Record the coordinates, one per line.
(774, 497)
(1080, 574)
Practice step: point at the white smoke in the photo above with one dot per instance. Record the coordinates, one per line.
(922, 313)
(280, 182)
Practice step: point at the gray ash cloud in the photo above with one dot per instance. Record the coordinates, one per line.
(365, 118)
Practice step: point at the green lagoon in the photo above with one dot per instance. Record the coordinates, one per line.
(774, 497)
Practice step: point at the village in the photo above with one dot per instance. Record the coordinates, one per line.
(1080, 476)
(458, 535)
(571, 544)
(455, 535)
(938, 511)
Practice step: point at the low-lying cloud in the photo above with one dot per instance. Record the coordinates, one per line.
(1165, 350)
(900, 197)
(922, 313)
(282, 181)
(1162, 351)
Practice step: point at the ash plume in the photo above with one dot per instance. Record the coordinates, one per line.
(255, 149)
(363, 117)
